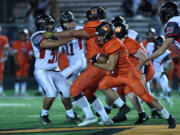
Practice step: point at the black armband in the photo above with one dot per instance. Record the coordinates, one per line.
(145, 69)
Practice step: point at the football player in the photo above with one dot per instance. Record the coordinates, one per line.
(3, 45)
(87, 82)
(169, 16)
(124, 71)
(74, 49)
(52, 81)
(134, 50)
(160, 75)
(22, 53)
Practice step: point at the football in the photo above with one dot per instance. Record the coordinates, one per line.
(102, 58)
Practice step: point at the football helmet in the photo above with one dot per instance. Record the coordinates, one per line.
(95, 13)
(104, 32)
(43, 21)
(118, 19)
(121, 28)
(23, 34)
(167, 11)
(159, 40)
(66, 17)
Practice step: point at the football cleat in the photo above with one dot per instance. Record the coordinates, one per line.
(142, 118)
(45, 120)
(108, 111)
(156, 115)
(122, 112)
(171, 121)
(108, 122)
(74, 120)
(88, 121)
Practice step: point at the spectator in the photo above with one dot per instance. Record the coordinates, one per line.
(127, 7)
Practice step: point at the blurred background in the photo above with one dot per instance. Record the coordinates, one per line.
(19, 14)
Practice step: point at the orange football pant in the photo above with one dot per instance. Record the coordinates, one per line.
(1, 70)
(131, 79)
(88, 81)
(23, 70)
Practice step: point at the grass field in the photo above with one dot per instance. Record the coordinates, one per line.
(20, 115)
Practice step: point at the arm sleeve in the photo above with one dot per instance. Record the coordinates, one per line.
(90, 27)
(113, 48)
(172, 30)
(37, 39)
(133, 47)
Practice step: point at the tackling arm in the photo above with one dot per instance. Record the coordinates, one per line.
(164, 47)
(54, 43)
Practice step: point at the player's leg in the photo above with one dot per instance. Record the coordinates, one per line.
(18, 80)
(163, 82)
(139, 89)
(64, 89)
(25, 72)
(106, 86)
(45, 81)
(1, 79)
(97, 105)
(84, 82)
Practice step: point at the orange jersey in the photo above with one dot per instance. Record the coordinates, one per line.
(91, 47)
(174, 51)
(22, 48)
(115, 46)
(145, 43)
(132, 46)
(3, 43)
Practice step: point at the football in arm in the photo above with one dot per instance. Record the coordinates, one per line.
(102, 58)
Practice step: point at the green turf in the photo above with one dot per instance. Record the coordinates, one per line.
(26, 116)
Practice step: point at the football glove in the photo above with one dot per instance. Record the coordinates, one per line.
(48, 34)
(94, 59)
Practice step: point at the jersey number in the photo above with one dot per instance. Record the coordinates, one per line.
(53, 54)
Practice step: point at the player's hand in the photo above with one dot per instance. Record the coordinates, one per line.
(94, 59)
(48, 34)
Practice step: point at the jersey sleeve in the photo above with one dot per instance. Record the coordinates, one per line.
(37, 39)
(113, 48)
(172, 30)
(90, 27)
(132, 47)
(5, 41)
(139, 38)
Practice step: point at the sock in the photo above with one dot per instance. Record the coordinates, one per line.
(16, 87)
(153, 109)
(98, 107)
(70, 113)
(165, 113)
(40, 90)
(1, 89)
(108, 107)
(119, 102)
(44, 112)
(84, 105)
(23, 87)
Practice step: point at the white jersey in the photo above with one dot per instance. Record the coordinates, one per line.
(74, 47)
(150, 48)
(134, 35)
(157, 61)
(172, 28)
(44, 58)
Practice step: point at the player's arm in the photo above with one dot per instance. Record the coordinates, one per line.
(69, 34)
(111, 63)
(160, 51)
(48, 43)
